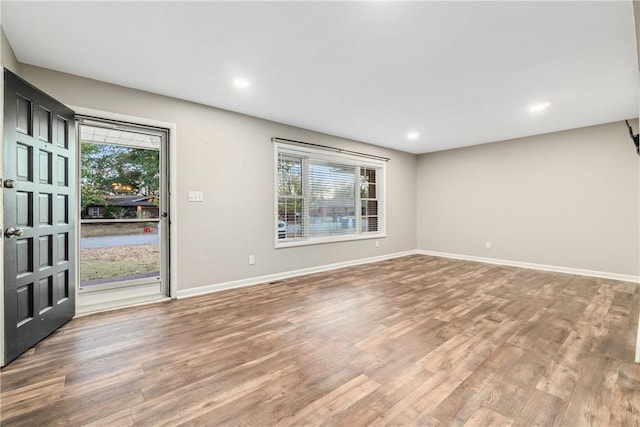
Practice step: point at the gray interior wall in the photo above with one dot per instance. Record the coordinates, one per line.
(568, 199)
(229, 157)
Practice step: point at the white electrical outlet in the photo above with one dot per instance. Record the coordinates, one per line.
(377, 243)
(196, 196)
(252, 259)
(487, 245)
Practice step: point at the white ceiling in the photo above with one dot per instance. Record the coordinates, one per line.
(459, 73)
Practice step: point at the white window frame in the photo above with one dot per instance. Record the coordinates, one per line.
(347, 159)
(93, 209)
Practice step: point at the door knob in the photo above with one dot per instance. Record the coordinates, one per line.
(10, 232)
(9, 183)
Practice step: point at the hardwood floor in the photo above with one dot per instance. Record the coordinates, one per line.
(417, 340)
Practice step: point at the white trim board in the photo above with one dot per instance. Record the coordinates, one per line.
(203, 290)
(533, 266)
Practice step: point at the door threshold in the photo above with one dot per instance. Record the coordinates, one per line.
(92, 308)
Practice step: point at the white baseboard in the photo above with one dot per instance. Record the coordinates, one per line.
(202, 290)
(544, 267)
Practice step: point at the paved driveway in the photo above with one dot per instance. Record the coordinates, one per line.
(109, 241)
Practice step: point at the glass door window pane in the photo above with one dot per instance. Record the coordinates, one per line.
(119, 207)
(116, 252)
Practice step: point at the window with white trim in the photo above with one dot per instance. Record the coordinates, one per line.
(93, 211)
(323, 196)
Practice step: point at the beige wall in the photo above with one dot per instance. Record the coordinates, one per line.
(636, 25)
(568, 199)
(229, 157)
(7, 56)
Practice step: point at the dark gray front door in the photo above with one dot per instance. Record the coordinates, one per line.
(39, 215)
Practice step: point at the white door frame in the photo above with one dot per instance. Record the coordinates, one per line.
(2, 201)
(173, 186)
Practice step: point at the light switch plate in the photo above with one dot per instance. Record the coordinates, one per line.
(196, 196)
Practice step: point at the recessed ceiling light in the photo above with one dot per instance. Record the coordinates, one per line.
(240, 82)
(413, 135)
(536, 108)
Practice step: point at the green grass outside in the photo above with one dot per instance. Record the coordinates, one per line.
(104, 263)
(116, 229)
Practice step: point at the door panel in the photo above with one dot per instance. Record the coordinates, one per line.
(38, 202)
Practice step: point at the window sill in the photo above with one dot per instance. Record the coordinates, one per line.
(320, 241)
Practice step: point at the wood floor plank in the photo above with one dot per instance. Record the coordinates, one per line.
(417, 340)
(590, 402)
(542, 409)
(17, 402)
(561, 377)
(626, 408)
(334, 403)
(119, 419)
(486, 417)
